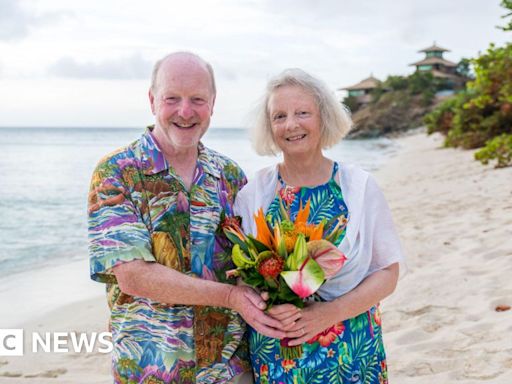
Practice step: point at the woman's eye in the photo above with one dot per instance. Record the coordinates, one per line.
(278, 117)
(303, 113)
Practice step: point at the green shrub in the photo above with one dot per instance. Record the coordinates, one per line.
(484, 110)
(441, 118)
(351, 103)
(499, 148)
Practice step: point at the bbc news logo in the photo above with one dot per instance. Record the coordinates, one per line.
(12, 341)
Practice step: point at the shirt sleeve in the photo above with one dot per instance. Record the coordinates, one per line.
(117, 233)
(386, 248)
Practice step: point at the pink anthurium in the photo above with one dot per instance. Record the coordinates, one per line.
(327, 255)
(306, 280)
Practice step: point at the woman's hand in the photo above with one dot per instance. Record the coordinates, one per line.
(303, 324)
(287, 314)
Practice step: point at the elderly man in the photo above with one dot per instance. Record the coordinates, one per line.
(155, 209)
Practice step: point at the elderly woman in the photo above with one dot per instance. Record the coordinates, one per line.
(340, 331)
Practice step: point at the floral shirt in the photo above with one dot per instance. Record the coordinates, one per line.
(139, 209)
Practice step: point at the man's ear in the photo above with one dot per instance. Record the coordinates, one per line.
(213, 104)
(151, 100)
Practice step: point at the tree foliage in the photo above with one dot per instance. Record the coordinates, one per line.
(419, 83)
(507, 4)
(484, 110)
(481, 116)
(499, 149)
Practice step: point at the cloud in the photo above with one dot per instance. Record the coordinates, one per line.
(16, 20)
(132, 67)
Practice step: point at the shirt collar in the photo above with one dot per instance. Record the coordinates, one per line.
(154, 160)
(206, 160)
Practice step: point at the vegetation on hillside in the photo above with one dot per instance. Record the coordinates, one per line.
(399, 103)
(481, 116)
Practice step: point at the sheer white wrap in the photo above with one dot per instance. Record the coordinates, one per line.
(371, 242)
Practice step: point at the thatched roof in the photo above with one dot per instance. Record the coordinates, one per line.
(369, 83)
(435, 60)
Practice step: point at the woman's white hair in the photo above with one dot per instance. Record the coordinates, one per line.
(334, 116)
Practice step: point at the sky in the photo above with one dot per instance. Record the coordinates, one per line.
(87, 64)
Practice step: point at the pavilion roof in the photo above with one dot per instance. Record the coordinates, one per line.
(368, 83)
(435, 47)
(444, 75)
(435, 60)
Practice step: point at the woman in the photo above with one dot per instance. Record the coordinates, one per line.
(340, 330)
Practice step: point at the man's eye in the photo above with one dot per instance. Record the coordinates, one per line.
(198, 100)
(171, 100)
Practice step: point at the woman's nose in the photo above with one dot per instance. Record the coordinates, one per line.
(291, 122)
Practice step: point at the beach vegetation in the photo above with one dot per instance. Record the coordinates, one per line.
(499, 149)
(481, 115)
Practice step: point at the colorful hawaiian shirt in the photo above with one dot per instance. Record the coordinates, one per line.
(139, 209)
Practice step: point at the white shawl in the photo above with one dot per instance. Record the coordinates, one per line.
(371, 242)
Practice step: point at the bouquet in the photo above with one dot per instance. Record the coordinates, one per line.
(289, 260)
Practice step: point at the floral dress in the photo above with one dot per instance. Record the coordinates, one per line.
(350, 351)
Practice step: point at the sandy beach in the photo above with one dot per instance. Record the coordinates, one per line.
(455, 220)
(440, 326)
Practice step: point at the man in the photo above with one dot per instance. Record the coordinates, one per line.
(154, 213)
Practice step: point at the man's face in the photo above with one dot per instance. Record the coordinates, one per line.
(182, 103)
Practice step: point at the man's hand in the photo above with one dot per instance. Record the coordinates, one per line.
(250, 305)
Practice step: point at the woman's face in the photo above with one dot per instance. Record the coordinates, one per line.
(295, 120)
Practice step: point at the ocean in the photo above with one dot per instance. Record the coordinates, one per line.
(45, 174)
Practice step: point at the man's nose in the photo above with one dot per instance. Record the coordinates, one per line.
(186, 111)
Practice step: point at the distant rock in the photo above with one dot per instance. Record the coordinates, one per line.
(394, 112)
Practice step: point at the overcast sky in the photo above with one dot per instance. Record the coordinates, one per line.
(87, 64)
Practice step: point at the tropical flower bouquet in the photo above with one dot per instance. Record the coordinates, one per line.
(288, 259)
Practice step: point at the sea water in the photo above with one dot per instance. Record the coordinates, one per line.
(45, 175)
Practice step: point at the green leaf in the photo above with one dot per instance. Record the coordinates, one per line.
(258, 245)
(240, 259)
(299, 254)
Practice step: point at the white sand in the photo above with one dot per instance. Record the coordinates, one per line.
(54, 299)
(440, 326)
(455, 221)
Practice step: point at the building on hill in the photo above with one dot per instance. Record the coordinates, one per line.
(362, 90)
(435, 63)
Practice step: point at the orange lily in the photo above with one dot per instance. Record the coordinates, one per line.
(263, 232)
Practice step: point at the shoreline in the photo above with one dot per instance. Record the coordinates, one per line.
(454, 218)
